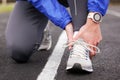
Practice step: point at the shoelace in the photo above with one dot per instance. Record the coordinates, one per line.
(81, 48)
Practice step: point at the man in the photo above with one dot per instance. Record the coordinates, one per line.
(29, 18)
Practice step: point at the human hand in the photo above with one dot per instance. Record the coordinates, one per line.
(69, 31)
(90, 33)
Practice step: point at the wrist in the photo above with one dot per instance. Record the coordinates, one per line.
(91, 22)
(91, 25)
(69, 31)
(69, 27)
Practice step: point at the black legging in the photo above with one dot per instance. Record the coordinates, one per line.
(78, 11)
(26, 25)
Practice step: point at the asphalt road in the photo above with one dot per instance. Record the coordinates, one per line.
(106, 64)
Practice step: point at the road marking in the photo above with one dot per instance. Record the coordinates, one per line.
(50, 70)
(114, 13)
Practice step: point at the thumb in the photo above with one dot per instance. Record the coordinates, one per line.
(92, 54)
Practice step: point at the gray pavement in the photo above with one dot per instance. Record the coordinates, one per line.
(106, 64)
(115, 7)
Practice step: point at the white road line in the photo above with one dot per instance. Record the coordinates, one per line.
(114, 13)
(50, 70)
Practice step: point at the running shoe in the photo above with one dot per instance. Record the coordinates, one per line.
(79, 56)
(47, 41)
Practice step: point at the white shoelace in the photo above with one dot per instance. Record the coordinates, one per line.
(80, 48)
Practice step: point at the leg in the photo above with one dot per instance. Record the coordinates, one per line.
(79, 56)
(25, 27)
(79, 12)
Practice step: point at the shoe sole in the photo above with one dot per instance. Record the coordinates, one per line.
(77, 68)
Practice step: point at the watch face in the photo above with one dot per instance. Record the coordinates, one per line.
(97, 17)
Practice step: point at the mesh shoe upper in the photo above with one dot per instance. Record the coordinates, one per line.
(80, 55)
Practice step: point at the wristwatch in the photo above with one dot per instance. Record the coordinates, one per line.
(95, 16)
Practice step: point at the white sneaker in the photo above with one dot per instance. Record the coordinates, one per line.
(47, 41)
(79, 56)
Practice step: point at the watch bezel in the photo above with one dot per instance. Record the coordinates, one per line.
(100, 17)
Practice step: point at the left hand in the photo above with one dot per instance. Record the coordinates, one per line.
(69, 31)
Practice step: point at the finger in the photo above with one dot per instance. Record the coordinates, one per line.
(92, 54)
(70, 47)
(97, 44)
(70, 44)
(93, 50)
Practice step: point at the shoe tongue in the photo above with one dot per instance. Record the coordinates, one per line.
(79, 50)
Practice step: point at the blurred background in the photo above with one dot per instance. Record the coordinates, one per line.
(7, 5)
